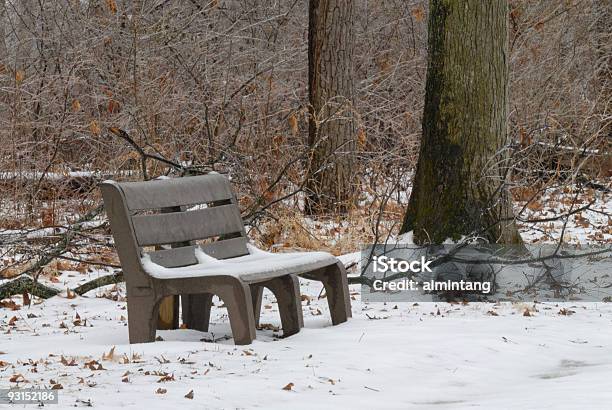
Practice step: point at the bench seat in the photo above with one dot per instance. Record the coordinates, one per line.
(257, 266)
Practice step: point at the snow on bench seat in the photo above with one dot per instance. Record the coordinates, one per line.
(258, 265)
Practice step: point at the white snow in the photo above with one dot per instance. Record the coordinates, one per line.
(386, 357)
(257, 262)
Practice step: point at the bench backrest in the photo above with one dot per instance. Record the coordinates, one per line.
(171, 214)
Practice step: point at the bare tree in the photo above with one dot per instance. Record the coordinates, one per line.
(460, 182)
(331, 130)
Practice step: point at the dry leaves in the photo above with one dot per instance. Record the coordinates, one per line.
(65, 361)
(94, 365)
(288, 386)
(9, 304)
(112, 6)
(418, 14)
(17, 378)
(70, 294)
(166, 378)
(110, 355)
(19, 76)
(293, 123)
(94, 127)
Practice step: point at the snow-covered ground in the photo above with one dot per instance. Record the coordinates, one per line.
(404, 356)
(386, 357)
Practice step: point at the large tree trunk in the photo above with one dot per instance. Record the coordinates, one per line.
(331, 93)
(460, 182)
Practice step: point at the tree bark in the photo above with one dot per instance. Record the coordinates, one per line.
(331, 128)
(460, 182)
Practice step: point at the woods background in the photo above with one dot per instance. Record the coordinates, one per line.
(138, 89)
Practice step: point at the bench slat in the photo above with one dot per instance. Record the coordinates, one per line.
(175, 192)
(184, 256)
(187, 226)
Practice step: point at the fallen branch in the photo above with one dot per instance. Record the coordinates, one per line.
(63, 245)
(25, 284)
(97, 283)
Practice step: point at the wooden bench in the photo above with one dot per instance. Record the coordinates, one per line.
(185, 237)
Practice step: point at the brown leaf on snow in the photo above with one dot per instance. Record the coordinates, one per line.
(160, 391)
(9, 304)
(125, 380)
(110, 355)
(527, 313)
(3, 363)
(166, 378)
(289, 386)
(65, 362)
(94, 365)
(492, 313)
(88, 383)
(17, 378)
(13, 320)
(566, 312)
(268, 326)
(57, 386)
(189, 395)
(162, 359)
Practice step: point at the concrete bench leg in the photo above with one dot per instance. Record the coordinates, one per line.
(335, 282)
(143, 312)
(257, 296)
(239, 303)
(286, 289)
(196, 311)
